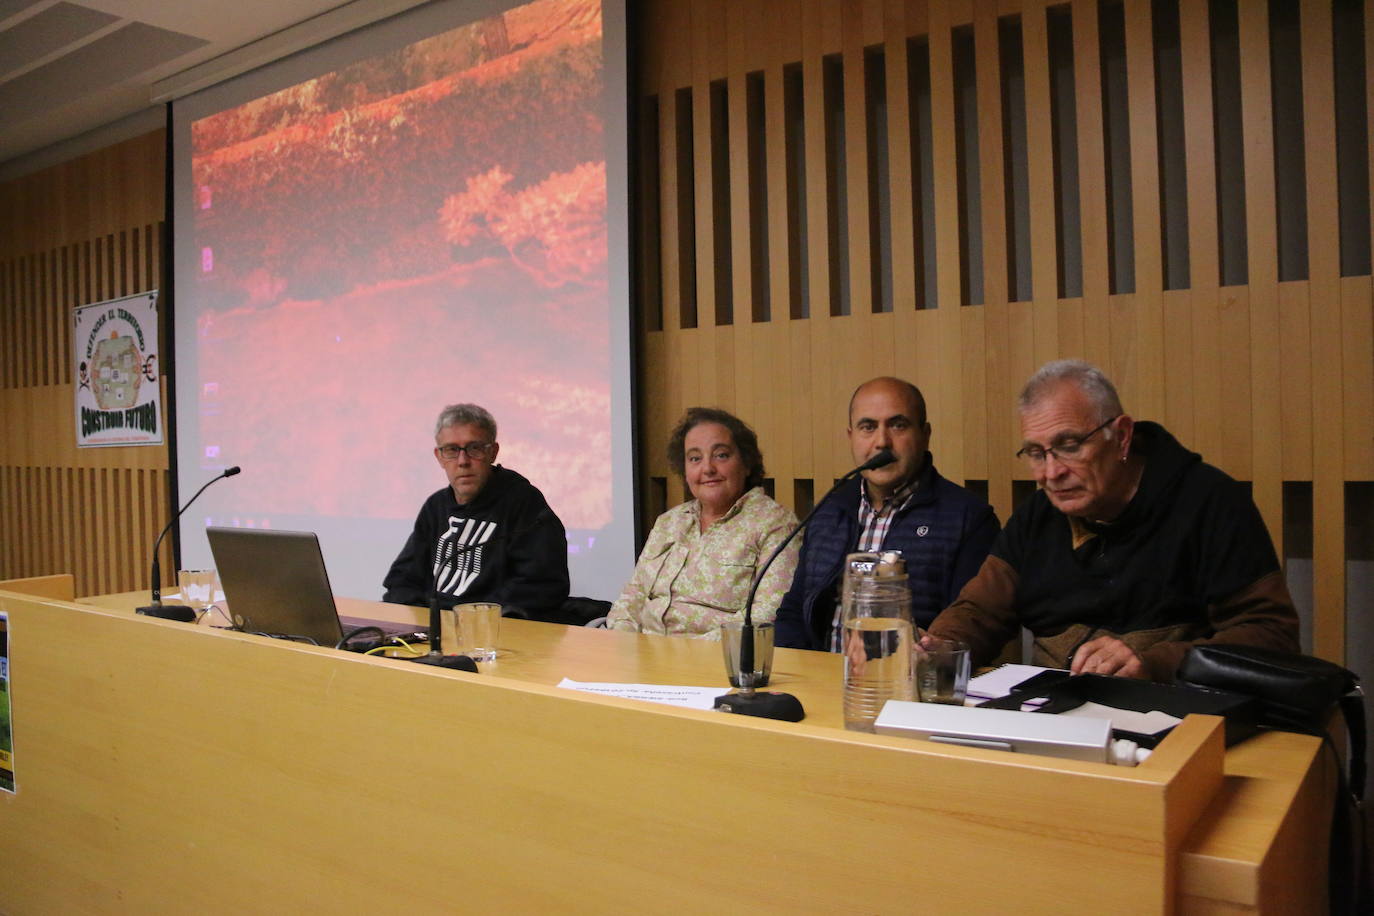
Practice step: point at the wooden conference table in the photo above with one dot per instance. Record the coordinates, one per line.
(164, 767)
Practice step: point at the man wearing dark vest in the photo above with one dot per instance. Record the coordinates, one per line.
(1132, 550)
(942, 530)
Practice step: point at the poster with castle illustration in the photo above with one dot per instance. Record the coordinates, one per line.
(116, 372)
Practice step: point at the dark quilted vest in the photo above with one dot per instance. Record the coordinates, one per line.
(929, 531)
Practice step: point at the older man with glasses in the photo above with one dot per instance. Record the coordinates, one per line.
(487, 536)
(1131, 551)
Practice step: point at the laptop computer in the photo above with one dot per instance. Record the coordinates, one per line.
(275, 582)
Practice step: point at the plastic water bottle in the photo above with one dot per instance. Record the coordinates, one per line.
(877, 637)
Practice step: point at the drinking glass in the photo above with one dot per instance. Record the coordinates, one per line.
(479, 625)
(942, 669)
(197, 588)
(730, 632)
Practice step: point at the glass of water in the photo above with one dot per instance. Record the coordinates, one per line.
(942, 669)
(479, 626)
(197, 587)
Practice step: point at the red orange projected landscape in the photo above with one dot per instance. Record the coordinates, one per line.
(423, 227)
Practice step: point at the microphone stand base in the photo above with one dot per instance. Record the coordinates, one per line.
(169, 612)
(764, 705)
(456, 662)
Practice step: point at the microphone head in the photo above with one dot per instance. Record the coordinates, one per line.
(880, 460)
(230, 472)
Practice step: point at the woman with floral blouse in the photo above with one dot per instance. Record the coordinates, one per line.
(696, 568)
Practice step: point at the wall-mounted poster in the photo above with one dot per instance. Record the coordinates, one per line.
(118, 401)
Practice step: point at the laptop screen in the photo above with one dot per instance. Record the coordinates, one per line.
(275, 582)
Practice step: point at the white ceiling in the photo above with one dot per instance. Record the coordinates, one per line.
(69, 67)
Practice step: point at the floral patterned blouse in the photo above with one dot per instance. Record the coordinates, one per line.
(687, 582)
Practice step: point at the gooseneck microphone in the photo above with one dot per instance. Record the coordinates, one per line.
(175, 611)
(881, 459)
(779, 705)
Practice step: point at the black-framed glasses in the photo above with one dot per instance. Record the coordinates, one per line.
(1067, 450)
(477, 451)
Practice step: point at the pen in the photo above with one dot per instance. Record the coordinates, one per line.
(1074, 651)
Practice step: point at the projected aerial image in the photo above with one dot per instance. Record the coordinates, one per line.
(423, 227)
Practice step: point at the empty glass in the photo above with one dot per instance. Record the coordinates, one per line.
(730, 632)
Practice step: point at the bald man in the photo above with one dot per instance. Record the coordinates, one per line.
(943, 531)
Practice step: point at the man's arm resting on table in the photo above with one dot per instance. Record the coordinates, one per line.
(984, 614)
(789, 624)
(1107, 655)
(973, 550)
(405, 582)
(1261, 614)
(789, 630)
(536, 576)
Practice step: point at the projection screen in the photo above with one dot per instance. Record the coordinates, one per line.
(427, 211)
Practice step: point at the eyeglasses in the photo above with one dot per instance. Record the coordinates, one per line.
(477, 451)
(1068, 450)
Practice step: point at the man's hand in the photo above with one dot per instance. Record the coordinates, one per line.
(1107, 655)
(856, 651)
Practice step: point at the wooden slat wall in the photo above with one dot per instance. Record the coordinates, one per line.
(78, 233)
(1272, 381)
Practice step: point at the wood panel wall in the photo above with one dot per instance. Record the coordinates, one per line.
(1272, 380)
(81, 232)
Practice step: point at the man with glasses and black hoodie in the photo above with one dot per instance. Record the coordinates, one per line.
(1131, 551)
(487, 536)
